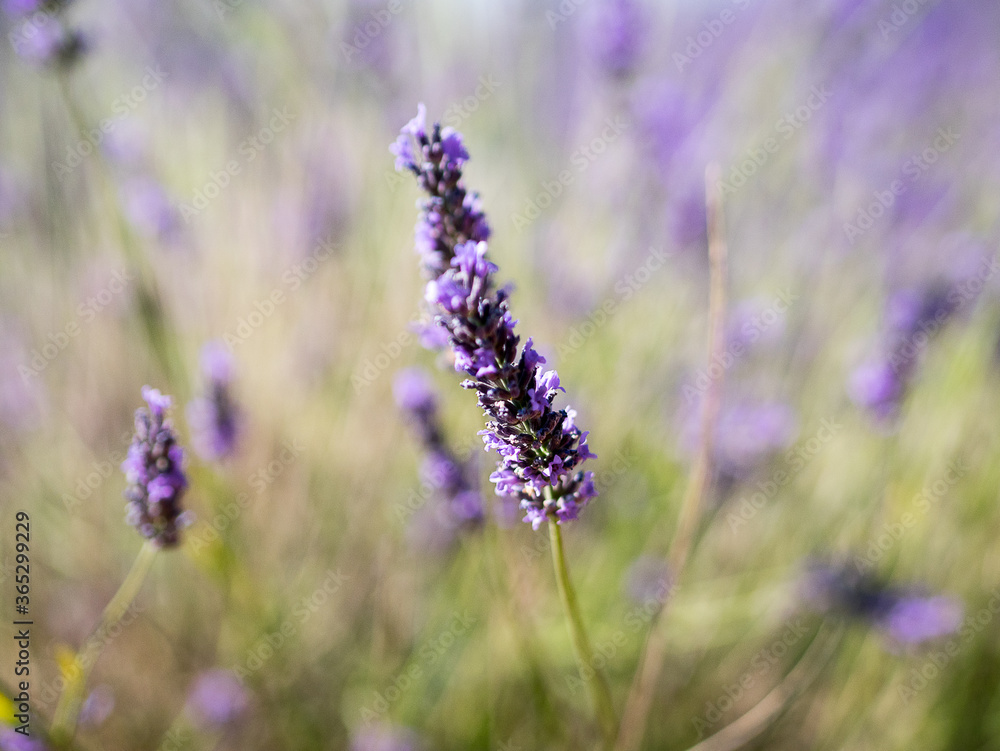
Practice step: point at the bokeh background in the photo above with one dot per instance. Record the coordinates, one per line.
(173, 174)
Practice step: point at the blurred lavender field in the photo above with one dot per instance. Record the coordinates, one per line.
(200, 198)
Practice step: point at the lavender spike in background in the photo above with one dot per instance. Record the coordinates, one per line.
(442, 469)
(215, 419)
(154, 469)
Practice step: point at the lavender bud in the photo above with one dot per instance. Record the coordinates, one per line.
(155, 474)
(215, 418)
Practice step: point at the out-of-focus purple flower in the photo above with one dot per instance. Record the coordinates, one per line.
(912, 318)
(385, 738)
(617, 36)
(916, 619)
(217, 698)
(21, 7)
(46, 40)
(413, 391)
(148, 208)
(154, 469)
(539, 447)
(753, 321)
(215, 419)
(747, 434)
(906, 616)
(454, 479)
(97, 707)
(10, 740)
(874, 386)
(648, 578)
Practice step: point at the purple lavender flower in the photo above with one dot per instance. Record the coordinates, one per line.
(14, 741)
(442, 470)
(906, 616)
(385, 738)
(450, 215)
(46, 40)
(155, 474)
(217, 698)
(617, 36)
(916, 619)
(97, 707)
(149, 208)
(912, 317)
(215, 418)
(539, 447)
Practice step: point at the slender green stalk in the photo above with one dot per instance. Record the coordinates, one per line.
(71, 700)
(596, 683)
(640, 698)
(148, 296)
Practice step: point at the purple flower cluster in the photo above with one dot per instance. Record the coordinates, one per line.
(215, 419)
(41, 36)
(450, 215)
(442, 469)
(912, 317)
(540, 447)
(906, 616)
(617, 36)
(155, 474)
(217, 699)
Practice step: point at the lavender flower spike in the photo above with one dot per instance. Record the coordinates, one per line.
(540, 447)
(215, 418)
(443, 470)
(155, 474)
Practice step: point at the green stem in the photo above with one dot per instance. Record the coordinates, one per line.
(71, 701)
(596, 683)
